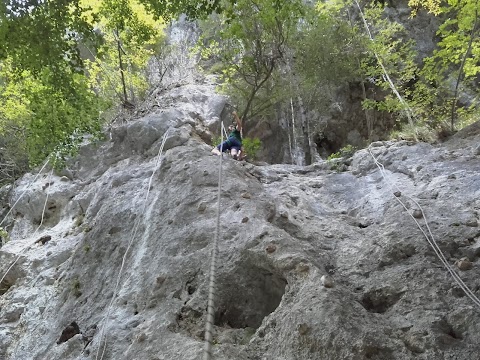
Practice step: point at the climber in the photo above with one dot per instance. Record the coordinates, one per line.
(234, 140)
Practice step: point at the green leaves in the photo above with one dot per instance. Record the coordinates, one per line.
(251, 147)
(50, 95)
(38, 34)
(453, 63)
(44, 95)
(49, 114)
(250, 42)
(63, 61)
(327, 49)
(129, 36)
(194, 9)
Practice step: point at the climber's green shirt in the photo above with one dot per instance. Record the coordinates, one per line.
(236, 135)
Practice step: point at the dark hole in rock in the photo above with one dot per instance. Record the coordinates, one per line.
(4, 286)
(246, 296)
(192, 284)
(330, 269)
(457, 292)
(326, 146)
(380, 300)
(51, 216)
(69, 332)
(114, 230)
(444, 327)
(454, 334)
(363, 226)
(191, 289)
(177, 294)
(43, 240)
(371, 352)
(9, 279)
(377, 353)
(46, 185)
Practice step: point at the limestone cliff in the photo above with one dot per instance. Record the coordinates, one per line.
(109, 259)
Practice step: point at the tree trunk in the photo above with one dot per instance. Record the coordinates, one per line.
(459, 79)
(120, 63)
(294, 135)
(368, 113)
(305, 131)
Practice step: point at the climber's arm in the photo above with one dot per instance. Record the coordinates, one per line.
(238, 120)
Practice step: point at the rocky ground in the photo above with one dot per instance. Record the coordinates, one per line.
(109, 259)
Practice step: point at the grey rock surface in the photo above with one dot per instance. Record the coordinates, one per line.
(123, 250)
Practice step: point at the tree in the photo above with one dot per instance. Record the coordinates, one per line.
(49, 118)
(50, 92)
(194, 9)
(130, 35)
(41, 70)
(250, 41)
(326, 54)
(453, 62)
(39, 34)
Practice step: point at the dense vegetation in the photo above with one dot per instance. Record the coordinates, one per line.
(64, 63)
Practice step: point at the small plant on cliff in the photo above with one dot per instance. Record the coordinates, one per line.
(345, 152)
(4, 237)
(79, 220)
(251, 147)
(76, 288)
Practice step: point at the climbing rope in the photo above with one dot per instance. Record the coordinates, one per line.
(408, 110)
(38, 227)
(430, 238)
(103, 336)
(224, 131)
(26, 189)
(207, 354)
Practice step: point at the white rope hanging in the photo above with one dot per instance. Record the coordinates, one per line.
(103, 337)
(408, 110)
(207, 354)
(19, 255)
(430, 238)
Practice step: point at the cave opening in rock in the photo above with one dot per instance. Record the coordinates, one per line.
(325, 146)
(247, 296)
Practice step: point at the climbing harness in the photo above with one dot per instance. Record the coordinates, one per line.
(430, 238)
(207, 354)
(227, 140)
(103, 336)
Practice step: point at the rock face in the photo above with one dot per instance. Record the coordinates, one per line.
(318, 262)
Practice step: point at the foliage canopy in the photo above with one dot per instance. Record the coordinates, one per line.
(63, 62)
